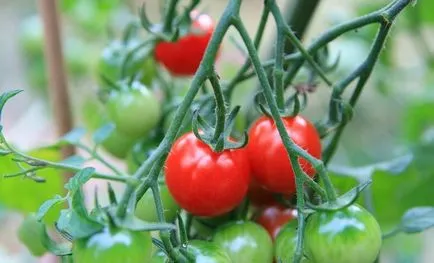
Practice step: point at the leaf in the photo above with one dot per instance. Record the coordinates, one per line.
(417, 219)
(74, 160)
(79, 179)
(363, 173)
(4, 97)
(73, 137)
(342, 201)
(57, 249)
(103, 133)
(75, 225)
(47, 205)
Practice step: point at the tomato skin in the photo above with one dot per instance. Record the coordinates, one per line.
(196, 176)
(207, 252)
(134, 110)
(348, 235)
(274, 217)
(115, 246)
(269, 161)
(245, 242)
(182, 58)
(118, 144)
(30, 233)
(259, 196)
(146, 210)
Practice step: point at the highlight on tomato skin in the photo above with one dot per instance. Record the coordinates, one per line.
(269, 162)
(203, 182)
(182, 58)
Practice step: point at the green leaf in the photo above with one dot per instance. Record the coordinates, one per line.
(74, 160)
(62, 249)
(73, 137)
(112, 194)
(4, 97)
(75, 225)
(26, 196)
(363, 173)
(103, 133)
(417, 219)
(79, 179)
(47, 205)
(342, 201)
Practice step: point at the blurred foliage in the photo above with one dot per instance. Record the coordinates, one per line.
(23, 194)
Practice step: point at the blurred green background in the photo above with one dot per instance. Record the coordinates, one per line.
(391, 137)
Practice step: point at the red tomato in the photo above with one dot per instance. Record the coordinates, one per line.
(182, 58)
(203, 182)
(269, 161)
(273, 218)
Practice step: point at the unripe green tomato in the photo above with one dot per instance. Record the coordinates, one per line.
(139, 153)
(115, 246)
(30, 233)
(286, 243)
(348, 235)
(208, 252)
(245, 242)
(134, 109)
(146, 210)
(118, 144)
(113, 56)
(204, 227)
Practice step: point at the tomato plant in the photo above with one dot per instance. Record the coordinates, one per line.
(245, 242)
(113, 245)
(269, 161)
(272, 218)
(134, 109)
(348, 235)
(182, 58)
(195, 174)
(208, 177)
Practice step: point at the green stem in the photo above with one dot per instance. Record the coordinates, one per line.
(257, 41)
(220, 110)
(204, 71)
(363, 71)
(170, 14)
(98, 157)
(67, 167)
(292, 149)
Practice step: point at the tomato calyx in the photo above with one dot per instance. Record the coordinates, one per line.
(293, 105)
(175, 25)
(218, 142)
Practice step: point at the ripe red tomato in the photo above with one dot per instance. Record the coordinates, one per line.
(182, 58)
(203, 182)
(269, 161)
(273, 218)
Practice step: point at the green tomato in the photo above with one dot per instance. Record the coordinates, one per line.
(113, 56)
(286, 242)
(139, 153)
(348, 235)
(118, 144)
(146, 210)
(207, 252)
(204, 227)
(245, 242)
(134, 109)
(30, 233)
(114, 246)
